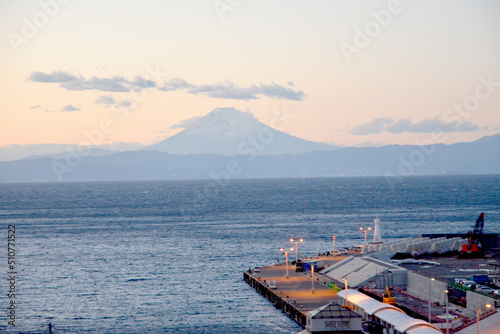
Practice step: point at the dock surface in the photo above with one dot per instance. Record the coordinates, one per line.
(294, 294)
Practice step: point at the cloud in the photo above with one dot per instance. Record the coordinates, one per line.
(141, 83)
(373, 127)
(229, 90)
(108, 101)
(220, 90)
(74, 83)
(427, 125)
(175, 84)
(124, 104)
(105, 100)
(66, 108)
(280, 92)
(186, 122)
(57, 76)
(114, 84)
(225, 90)
(70, 107)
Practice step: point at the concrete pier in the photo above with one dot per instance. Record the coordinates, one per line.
(298, 294)
(293, 295)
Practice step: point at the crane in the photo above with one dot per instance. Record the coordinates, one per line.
(474, 246)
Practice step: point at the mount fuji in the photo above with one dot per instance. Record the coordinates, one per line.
(230, 132)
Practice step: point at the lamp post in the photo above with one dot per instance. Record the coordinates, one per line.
(334, 237)
(345, 293)
(366, 231)
(478, 314)
(312, 278)
(447, 316)
(296, 249)
(286, 262)
(430, 283)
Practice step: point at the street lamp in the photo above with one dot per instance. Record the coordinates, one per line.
(312, 277)
(345, 292)
(296, 248)
(478, 314)
(286, 263)
(334, 237)
(447, 319)
(366, 231)
(430, 283)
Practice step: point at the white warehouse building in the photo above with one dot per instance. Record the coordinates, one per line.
(394, 320)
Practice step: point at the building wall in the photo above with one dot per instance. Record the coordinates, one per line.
(393, 277)
(323, 325)
(476, 301)
(418, 286)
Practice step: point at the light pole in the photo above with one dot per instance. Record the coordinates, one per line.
(334, 237)
(345, 292)
(430, 283)
(478, 314)
(447, 319)
(286, 262)
(366, 231)
(312, 278)
(296, 249)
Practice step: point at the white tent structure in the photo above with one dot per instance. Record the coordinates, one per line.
(391, 317)
(359, 271)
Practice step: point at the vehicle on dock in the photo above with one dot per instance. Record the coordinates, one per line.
(358, 248)
(341, 251)
(483, 288)
(469, 284)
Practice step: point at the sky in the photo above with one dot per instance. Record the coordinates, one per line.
(340, 72)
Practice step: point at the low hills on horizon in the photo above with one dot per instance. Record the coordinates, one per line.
(227, 143)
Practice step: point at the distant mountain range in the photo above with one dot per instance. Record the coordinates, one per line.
(229, 144)
(16, 152)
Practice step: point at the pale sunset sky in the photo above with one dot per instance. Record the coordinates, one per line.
(343, 72)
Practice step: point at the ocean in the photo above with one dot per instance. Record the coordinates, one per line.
(168, 256)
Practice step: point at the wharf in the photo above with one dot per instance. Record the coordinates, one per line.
(293, 295)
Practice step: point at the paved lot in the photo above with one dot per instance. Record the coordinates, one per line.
(297, 288)
(452, 268)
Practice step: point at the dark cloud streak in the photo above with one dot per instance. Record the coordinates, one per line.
(70, 107)
(427, 125)
(220, 90)
(373, 127)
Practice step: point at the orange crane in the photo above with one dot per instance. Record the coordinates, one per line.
(474, 246)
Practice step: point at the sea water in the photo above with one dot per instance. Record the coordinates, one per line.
(168, 256)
